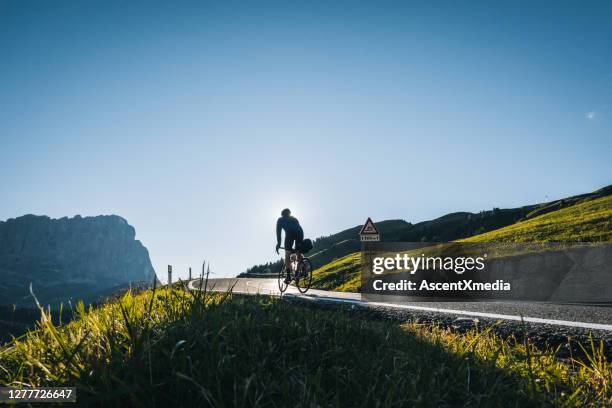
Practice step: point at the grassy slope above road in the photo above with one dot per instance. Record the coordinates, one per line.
(175, 348)
(341, 275)
(589, 221)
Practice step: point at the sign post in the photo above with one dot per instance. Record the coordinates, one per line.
(368, 234)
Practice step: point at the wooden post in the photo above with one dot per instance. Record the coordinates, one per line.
(169, 274)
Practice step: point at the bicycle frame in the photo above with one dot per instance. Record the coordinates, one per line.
(294, 259)
(295, 270)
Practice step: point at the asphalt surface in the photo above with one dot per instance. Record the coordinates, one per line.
(541, 322)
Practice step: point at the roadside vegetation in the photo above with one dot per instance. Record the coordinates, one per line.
(171, 347)
(342, 275)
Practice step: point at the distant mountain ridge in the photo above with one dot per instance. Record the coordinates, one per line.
(449, 227)
(78, 258)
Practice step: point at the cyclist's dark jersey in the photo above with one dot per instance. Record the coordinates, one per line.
(293, 231)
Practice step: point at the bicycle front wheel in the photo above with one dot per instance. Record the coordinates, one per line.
(305, 276)
(282, 275)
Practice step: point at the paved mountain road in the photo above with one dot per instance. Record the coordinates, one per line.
(563, 316)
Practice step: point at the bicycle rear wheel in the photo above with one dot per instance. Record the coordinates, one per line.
(282, 275)
(304, 279)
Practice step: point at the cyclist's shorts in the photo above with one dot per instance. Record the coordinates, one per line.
(293, 238)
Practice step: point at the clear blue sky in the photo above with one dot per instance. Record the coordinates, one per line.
(199, 122)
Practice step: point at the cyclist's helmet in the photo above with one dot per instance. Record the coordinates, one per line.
(286, 212)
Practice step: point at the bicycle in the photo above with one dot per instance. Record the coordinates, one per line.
(301, 268)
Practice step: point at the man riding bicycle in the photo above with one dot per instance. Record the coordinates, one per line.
(293, 234)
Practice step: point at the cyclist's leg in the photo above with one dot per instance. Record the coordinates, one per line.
(299, 238)
(289, 240)
(287, 258)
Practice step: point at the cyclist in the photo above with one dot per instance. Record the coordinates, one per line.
(293, 234)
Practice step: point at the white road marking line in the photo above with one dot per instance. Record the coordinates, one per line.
(567, 323)
(585, 325)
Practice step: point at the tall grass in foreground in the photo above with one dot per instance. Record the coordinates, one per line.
(174, 348)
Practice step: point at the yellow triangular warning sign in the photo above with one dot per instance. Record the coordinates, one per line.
(369, 228)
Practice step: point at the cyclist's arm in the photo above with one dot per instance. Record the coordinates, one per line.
(278, 232)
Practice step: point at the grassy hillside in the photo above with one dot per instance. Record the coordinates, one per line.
(342, 274)
(587, 220)
(590, 221)
(175, 348)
